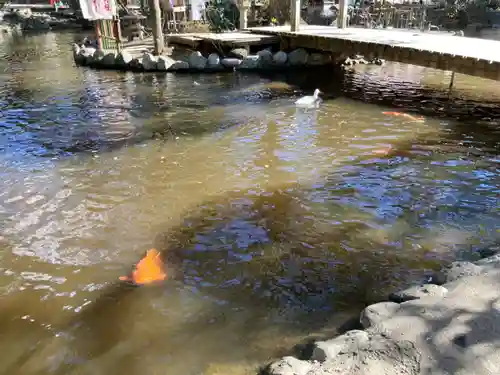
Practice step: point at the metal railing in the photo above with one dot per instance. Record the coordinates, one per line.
(404, 17)
(401, 16)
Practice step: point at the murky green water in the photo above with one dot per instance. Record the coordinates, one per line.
(278, 224)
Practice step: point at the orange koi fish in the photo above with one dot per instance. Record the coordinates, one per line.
(405, 115)
(150, 269)
(389, 151)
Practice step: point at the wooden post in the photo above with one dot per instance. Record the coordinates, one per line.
(118, 34)
(423, 15)
(295, 13)
(450, 87)
(159, 41)
(98, 34)
(342, 16)
(243, 6)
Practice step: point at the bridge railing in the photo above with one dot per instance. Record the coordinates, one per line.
(401, 16)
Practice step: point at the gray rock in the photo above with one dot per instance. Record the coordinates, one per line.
(24, 13)
(250, 62)
(179, 65)
(440, 336)
(149, 61)
(489, 251)
(374, 314)
(289, 366)
(136, 63)
(165, 62)
(490, 262)
(77, 55)
(376, 355)
(109, 59)
(97, 56)
(230, 62)
(197, 61)
(298, 57)
(123, 59)
(265, 58)
(239, 53)
(348, 62)
(280, 58)
(318, 59)
(75, 48)
(213, 60)
(418, 291)
(35, 24)
(86, 55)
(328, 350)
(455, 271)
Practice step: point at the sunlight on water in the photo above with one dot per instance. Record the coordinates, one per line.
(277, 224)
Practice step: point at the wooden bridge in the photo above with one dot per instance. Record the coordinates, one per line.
(440, 50)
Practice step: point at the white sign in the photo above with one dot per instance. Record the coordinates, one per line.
(98, 9)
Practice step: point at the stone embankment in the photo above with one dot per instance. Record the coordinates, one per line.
(237, 59)
(25, 20)
(449, 326)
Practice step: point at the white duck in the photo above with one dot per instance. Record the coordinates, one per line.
(311, 101)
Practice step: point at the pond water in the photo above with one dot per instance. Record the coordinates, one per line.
(277, 224)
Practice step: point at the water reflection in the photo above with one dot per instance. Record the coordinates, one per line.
(278, 224)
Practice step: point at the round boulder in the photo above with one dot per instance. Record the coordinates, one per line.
(280, 58)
